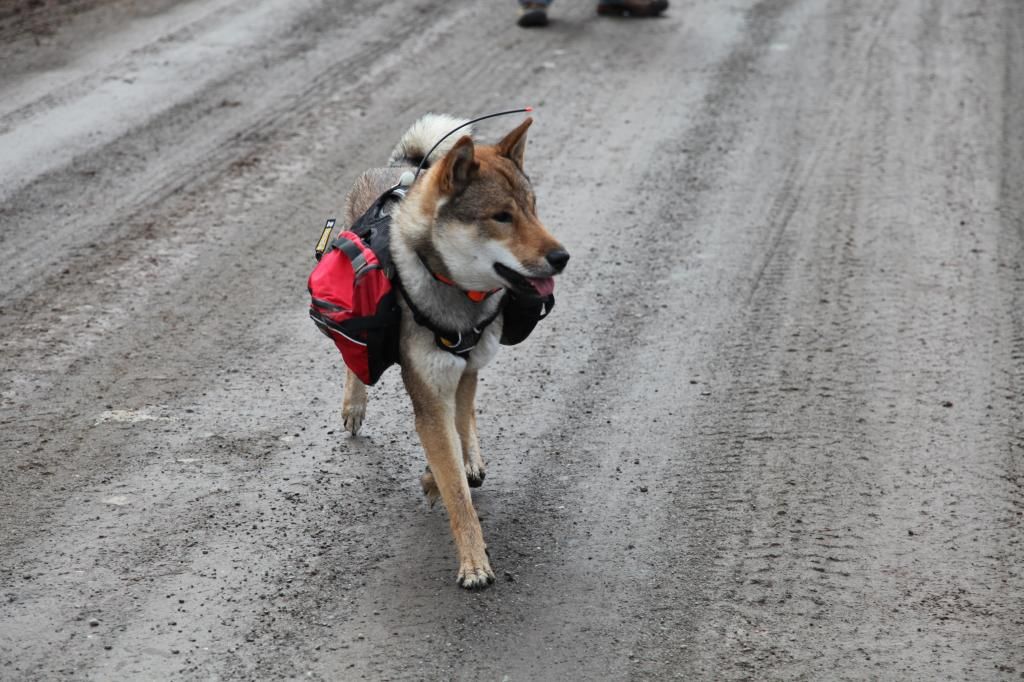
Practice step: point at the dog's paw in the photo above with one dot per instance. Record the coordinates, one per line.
(429, 486)
(475, 474)
(474, 465)
(476, 575)
(352, 417)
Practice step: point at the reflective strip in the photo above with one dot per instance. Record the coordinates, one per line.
(341, 333)
(329, 326)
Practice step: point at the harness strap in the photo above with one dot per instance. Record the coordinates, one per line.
(455, 342)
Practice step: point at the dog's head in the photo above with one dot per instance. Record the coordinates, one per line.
(484, 225)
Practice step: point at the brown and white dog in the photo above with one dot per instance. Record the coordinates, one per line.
(468, 225)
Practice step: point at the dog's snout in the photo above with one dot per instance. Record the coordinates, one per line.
(558, 259)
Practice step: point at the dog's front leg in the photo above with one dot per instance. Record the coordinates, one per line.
(465, 423)
(353, 405)
(435, 423)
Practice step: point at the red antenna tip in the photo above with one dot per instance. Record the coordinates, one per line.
(527, 108)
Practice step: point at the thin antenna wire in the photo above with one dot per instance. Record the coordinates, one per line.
(475, 120)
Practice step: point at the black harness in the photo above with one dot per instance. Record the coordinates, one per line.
(455, 342)
(520, 314)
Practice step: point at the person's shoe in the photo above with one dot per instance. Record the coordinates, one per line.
(532, 15)
(632, 8)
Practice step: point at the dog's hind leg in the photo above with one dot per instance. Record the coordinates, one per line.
(435, 423)
(353, 406)
(465, 422)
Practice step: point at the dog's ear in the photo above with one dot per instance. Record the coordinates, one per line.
(458, 167)
(513, 146)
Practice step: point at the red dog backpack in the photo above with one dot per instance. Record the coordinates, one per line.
(353, 301)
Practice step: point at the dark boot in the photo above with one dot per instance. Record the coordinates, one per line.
(632, 8)
(532, 15)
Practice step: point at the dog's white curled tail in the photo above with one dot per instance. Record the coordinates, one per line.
(424, 134)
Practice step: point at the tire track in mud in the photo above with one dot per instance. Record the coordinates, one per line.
(827, 485)
(745, 436)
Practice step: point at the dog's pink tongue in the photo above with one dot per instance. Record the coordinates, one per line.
(544, 285)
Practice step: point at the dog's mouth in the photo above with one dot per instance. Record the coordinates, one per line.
(536, 287)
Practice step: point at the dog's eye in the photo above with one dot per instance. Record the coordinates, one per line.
(502, 217)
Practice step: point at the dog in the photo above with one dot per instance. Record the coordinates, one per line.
(465, 237)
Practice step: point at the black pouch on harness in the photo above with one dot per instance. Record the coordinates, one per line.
(521, 315)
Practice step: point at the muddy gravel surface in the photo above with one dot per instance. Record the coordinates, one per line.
(772, 430)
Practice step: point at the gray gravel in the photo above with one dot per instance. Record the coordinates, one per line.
(773, 429)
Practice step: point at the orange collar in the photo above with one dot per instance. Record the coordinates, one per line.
(475, 296)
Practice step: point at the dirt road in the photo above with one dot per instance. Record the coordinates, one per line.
(773, 430)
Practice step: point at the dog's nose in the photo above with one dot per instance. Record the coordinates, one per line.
(558, 259)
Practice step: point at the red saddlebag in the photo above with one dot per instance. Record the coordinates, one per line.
(353, 301)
